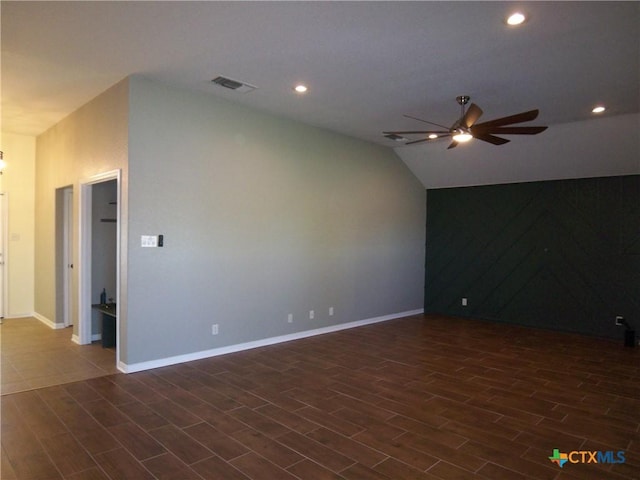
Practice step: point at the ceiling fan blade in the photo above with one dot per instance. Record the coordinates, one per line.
(453, 144)
(417, 132)
(418, 141)
(513, 130)
(486, 137)
(517, 118)
(472, 116)
(425, 121)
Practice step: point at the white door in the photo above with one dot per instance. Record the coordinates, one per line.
(68, 256)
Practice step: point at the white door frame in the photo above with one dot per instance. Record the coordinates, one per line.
(67, 255)
(84, 257)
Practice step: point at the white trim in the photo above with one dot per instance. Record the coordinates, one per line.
(94, 337)
(84, 257)
(49, 323)
(19, 315)
(189, 357)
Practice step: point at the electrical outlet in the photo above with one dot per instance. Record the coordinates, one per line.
(619, 320)
(290, 318)
(331, 311)
(464, 302)
(214, 329)
(312, 314)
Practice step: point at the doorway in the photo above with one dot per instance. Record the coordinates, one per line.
(96, 267)
(67, 256)
(64, 259)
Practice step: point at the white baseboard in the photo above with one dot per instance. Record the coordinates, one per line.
(18, 315)
(95, 337)
(47, 322)
(189, 357)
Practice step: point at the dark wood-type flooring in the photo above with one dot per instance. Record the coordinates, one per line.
(413, 398)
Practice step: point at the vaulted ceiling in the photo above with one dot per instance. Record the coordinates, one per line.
(366, 63)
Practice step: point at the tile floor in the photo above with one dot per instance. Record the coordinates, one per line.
(414, 398)
(33, 355)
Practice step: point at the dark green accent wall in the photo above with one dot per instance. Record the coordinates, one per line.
(561, 254)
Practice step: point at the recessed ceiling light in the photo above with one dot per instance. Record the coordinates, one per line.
(598, 109)
(516, 19)
(433, 136)
(301, 88)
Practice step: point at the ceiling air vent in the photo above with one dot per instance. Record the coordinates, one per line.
(234, 85)
(392, 136)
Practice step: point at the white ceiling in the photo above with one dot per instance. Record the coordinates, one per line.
(366, 63)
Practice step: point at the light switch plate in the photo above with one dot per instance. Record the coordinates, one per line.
(149, 241)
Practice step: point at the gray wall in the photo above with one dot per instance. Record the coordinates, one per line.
(90, 141)
(262, 217)
(560, 254)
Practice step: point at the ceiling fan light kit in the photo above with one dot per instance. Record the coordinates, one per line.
(466, 128)
(462, 136)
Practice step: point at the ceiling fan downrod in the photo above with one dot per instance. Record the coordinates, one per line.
(462, 101)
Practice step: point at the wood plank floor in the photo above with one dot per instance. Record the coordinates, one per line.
(34, 356)
(414, 398)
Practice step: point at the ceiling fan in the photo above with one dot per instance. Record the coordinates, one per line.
(466, 128)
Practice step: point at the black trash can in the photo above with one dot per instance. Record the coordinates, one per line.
(630, 338)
